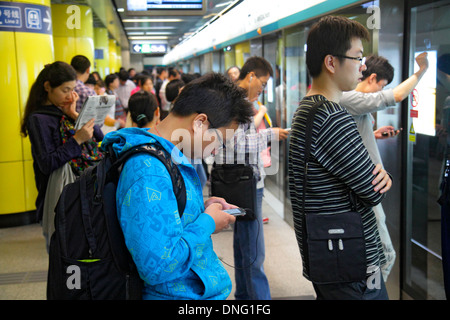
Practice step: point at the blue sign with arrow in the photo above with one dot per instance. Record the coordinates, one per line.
(24, 17)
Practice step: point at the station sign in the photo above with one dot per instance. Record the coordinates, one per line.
(24, 17)
(148, 47)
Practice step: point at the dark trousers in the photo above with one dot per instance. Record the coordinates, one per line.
(350, 291)
(444, 201)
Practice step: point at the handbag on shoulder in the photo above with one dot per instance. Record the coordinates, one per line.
(235, 183)
(335, 245)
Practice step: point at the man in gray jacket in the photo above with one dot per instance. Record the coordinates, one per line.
(370, 96)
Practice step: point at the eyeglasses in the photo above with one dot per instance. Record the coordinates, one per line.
(263, 84)
(361, 60)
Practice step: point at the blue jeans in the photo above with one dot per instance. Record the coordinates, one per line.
(251, 281)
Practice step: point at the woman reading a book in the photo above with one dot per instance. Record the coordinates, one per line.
(48, 120)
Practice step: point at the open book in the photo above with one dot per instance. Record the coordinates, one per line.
(96, 107)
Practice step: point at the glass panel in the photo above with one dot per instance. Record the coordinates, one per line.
(274, 179)
(429, 105)
(295, 82)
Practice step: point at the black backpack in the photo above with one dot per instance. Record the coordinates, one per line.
(88, 258)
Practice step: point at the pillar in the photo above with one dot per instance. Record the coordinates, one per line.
(26, 46)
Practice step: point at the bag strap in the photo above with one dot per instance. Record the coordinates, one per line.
(157, 151)
(308, 139)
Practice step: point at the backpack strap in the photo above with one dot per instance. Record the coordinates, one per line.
(157, 151)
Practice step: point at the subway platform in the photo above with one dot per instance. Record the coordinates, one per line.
(24, 260)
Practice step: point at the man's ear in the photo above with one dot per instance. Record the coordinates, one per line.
(198, 122)
(372, 78)
(329, 62)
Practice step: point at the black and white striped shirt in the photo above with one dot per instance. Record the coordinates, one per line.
(338, 161)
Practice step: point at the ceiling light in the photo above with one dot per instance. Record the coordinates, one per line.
(158, 33)
(148, 38)
(120, 10)
(152, 20)
(150, 28)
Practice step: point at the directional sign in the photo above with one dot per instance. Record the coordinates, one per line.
(145, 47)
(24, 17)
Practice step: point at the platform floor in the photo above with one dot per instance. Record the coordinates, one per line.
(24, 261)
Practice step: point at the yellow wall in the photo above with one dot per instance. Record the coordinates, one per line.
(101, 42)
(242, 53)
(113, 57)
(20, 64)
(71, 39)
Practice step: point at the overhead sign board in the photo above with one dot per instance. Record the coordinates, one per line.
(148, 48)
(24, 17)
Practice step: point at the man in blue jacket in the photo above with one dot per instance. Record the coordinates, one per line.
(174, 255)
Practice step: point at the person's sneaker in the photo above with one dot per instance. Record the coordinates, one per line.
(265, 220)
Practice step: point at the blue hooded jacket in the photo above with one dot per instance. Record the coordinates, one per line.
(174, 256)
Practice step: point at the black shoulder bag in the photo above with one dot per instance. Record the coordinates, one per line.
(335, 244)
(235, 183)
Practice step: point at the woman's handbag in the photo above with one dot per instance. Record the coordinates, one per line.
(335, 244)
(235, 183)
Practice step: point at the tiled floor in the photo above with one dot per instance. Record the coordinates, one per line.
(24, 261)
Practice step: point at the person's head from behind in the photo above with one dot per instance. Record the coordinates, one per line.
(82, 66)
(233, 73)
(254, 75)
(173, 89)
(112, 81)
(209, 106)
(123, 77)
(100, 87)
(53, 86)
(90, 82)
(379, 73)
(143, 109)
(173, 74)
(335, 50)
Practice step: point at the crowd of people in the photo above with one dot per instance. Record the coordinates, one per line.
(176, 260)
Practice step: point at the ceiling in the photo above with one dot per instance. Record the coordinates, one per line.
(175, 29)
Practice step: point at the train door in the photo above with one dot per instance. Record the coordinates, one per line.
(427, 148)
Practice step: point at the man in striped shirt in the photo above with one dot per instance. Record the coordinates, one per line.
(339, 160)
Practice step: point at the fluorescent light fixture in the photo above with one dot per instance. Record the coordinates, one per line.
(135, 33)
(120, 10)
(152, 20)
(158, 33)
(150, 28)
(148, 38)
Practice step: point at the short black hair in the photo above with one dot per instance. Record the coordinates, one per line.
(216, 96)
(110, 79)
(380, 66)
(331, 35)
(260, 66)
(80, 63)
(173, 89)
(123, 75)
(142, 106)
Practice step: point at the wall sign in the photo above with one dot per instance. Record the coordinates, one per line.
(24, 17)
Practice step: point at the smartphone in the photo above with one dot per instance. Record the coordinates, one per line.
(386, 134)
(235, 212)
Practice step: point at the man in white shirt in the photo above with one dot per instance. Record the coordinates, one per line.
(369, 97)
(125, 88)
(165, 105)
